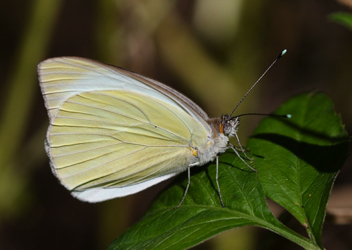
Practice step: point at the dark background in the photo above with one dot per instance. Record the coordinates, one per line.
(212, 51)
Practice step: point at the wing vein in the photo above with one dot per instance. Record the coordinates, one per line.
(126, 176)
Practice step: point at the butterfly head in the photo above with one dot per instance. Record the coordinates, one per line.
(229, 125)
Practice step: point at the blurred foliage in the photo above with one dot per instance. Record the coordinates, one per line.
(343, 18)
(212, 52)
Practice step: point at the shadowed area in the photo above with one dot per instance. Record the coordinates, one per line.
(323, 158)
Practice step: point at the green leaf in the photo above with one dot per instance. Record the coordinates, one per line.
(201, 215)
(342, 18)
(299, 158)
(273, 147)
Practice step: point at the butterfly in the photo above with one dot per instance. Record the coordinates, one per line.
(113, 132)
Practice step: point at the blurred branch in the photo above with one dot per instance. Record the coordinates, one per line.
(107, 32)
(348, 3)
(23, 85)
(185, 55)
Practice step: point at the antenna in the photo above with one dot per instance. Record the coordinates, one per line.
(272, 115)
(281, 54)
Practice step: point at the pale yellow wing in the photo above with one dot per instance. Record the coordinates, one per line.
(63, 77)
(110, 143)
(114, 132)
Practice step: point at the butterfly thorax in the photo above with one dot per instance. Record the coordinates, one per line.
(222, 128)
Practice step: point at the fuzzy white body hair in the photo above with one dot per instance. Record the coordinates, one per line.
(216, 142)
(213, 147)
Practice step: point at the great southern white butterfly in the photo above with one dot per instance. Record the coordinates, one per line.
(113, 132)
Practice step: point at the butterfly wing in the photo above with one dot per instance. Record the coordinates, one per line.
(110, 133)
(63, 77)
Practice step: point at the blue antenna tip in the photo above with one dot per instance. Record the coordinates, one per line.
(281, 54)
(288, 116)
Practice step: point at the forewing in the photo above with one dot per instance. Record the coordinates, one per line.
(64, 77)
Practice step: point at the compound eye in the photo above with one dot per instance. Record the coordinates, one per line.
(227, 128)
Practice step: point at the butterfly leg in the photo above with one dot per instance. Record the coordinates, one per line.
(241, 148)
(189, 182)
(217, 181)
(242, 158)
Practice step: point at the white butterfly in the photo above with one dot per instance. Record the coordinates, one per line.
(113, 132)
